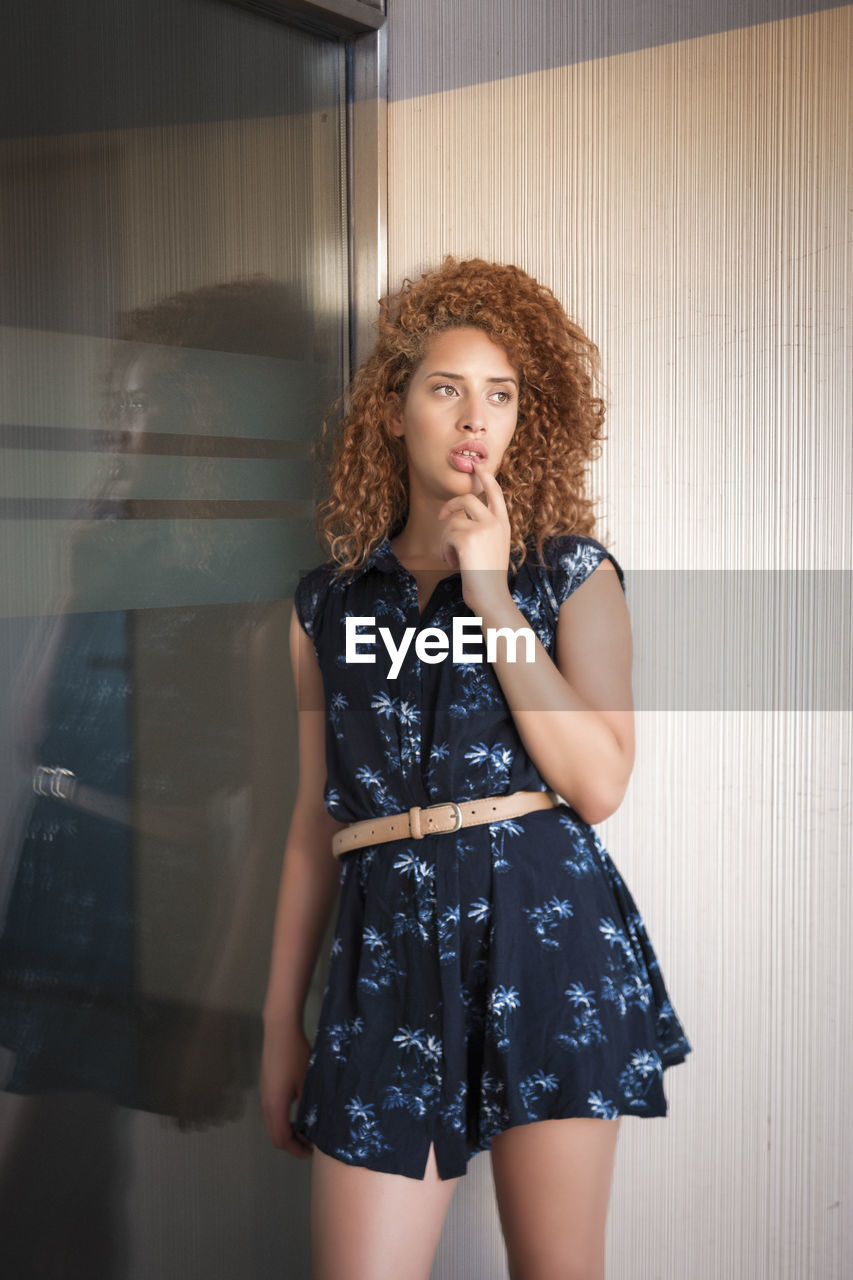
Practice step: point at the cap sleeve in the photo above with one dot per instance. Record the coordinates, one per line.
(572, 559)
(308, 599)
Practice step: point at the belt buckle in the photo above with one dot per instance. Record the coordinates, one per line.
(457, 814)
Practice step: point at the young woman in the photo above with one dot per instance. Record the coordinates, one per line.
(491, 982)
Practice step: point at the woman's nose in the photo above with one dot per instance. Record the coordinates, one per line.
(472, 416)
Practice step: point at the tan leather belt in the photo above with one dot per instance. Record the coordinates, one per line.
(439, 819)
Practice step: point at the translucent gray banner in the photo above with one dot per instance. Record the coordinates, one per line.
(742, 640)
(704, 640)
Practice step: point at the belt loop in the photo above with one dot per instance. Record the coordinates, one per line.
(415, 822)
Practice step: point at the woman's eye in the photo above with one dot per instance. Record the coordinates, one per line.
(506, 396)
(445, 386)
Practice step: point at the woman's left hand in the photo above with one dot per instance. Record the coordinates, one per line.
(476, 541)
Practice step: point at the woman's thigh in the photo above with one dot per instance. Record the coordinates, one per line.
(552, 1180)
(374, 1226)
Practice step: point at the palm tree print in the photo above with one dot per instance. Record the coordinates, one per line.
(338, 704)
(417, 1077)
(498, 831)
(452, 1116)
(385, 705)
(363, 859)
(530, 605)
(405, 712)
(536, 1085)
(506, 826)
(332, 800)
(616, 937)
(384, 800)
(494, 1114)
(624, 983)
(586, 1028)
(502, 1002)
(495, 760)
(576, 566)
(480, 911)
(402, 747)
(340, 1037)
(580, 864)
(579, 997)
(385, 968)
(669, 1030)
(638, 1076)
(600, 1107)
(409, 864)
(439, 752)
(422, 873)
(626, 991)
(545, 919)
(475, 1012)
(406, 923)
(409, 714)
(402, 743)
(639, 939)
(476, 690)
(462, 850)
(448, 924)
(365, 1138)
(388, 609)
(409, 1039)
(580, 861)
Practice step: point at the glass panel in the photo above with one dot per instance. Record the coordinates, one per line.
(172, 327)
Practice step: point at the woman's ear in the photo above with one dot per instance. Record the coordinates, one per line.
(393, 414)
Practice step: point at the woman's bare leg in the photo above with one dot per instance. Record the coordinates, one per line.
(375, 1226)
(552, 1179)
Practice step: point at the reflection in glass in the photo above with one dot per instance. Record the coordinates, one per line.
(172, 323)
(127, 914)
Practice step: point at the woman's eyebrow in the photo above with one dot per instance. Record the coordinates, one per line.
(460, 377)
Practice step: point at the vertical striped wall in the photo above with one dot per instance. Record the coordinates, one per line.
(690, 204)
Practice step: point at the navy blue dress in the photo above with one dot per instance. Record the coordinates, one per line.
(481, 979)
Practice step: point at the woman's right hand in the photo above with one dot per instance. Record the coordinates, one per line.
(284, 1063)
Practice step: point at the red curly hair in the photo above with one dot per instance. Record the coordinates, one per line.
(543, 473)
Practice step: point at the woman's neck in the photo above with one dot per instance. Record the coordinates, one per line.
(418, 541)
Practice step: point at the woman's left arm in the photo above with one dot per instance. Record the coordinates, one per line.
(575, 715)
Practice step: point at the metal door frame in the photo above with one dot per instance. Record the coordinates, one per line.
(360, 25)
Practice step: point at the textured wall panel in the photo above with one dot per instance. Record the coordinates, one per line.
(690, 204)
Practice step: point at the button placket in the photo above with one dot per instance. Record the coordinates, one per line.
(409, 682)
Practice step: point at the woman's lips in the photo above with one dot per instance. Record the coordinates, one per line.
(462, 462)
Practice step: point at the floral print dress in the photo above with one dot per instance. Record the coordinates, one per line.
(479, 979)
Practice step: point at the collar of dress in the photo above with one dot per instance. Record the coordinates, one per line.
(381, 557)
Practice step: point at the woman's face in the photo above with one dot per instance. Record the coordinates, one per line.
(462, 396)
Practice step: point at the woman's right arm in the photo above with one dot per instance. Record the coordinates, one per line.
(307, 892)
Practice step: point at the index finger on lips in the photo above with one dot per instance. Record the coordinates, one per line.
(492, 491)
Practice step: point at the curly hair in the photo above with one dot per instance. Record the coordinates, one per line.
(543, 474)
